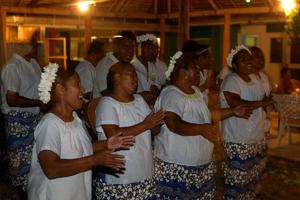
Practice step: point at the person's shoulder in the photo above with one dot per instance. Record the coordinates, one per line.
(170, 91)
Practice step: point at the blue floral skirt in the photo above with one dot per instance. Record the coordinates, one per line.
(174, 181)
(243, 166)
(144, 190)
(20, 136)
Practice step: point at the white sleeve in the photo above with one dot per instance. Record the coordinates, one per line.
(231, 84)
(106, 113)
(10, 78)
(170, 102)
(101, 74)
(85, 76)
(48, 137)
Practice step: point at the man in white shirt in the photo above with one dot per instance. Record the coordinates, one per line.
(21, 107)
(123, 51)
(86, 68)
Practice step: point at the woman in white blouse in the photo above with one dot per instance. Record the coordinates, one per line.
(63, 154)
(243, 138)
(123, 111)
(184, 168)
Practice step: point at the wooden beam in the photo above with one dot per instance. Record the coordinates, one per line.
(213, 5)
(87, 31)
(169, 7)
(183, 22)
(18, 2)
(3, 46)
(226, 39)
(74, 12)
(120, 5)
(32, 3)
(155, 7)
(233, 11)
(124, 6)
(114, 4)
(271, 4)
(97, 24)
(162, 27)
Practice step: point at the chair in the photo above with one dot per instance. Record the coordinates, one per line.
(288, 107)
(89, 115)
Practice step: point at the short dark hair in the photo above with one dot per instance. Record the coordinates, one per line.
(189, 46)
(128, 34)
(96, 47)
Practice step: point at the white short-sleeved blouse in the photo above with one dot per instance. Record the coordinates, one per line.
(69, 141)
(239, 130)
(174, 148)
(22, 77)
(87, 75)
(139, 161)
(146, 78)
(102, 70)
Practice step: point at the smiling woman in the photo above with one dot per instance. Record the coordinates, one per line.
(63, 154)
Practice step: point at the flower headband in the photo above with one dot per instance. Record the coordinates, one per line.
(145, 37)
(173, 59)
(235, 51)
(47, 79)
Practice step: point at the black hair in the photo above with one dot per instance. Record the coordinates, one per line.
(236, 57)
(96, 47)
(284, 70)
(189, 46)
(201, 50)
(181, 63)
(128, 34)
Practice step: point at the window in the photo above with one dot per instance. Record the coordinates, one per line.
(276, 50)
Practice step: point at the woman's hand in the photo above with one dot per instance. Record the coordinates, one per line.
(243, 111)
(211, 133)
(107, 159)
(120, 142)
(154, 119)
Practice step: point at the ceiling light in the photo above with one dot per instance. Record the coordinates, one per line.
(288, 6)
(84, 5)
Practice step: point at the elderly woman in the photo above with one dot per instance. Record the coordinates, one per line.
(63, 154)
(123, 111)
(184, 168)
(243, 138)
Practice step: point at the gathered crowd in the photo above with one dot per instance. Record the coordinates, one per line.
(156, 125)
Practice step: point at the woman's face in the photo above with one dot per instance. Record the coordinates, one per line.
(244, 63)
(73, 94)
(128, 79)
(259, 60)
(147, 49)
(125, 50)
(193, 74)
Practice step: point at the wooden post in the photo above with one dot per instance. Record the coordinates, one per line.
(162, 26)
(226, 39)
(183, 22)
(87, 31)
(3, 46)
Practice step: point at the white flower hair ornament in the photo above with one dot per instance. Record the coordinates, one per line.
(145, 37)
(47, 79)
(171, 67)
(235, 51)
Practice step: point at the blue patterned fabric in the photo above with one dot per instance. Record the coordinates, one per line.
(20, 128)
(144, 190)
(243, 167)
(174, 181)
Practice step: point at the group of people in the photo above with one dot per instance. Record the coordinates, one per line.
(156, 128)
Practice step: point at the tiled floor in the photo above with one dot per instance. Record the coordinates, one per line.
(285, 150)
